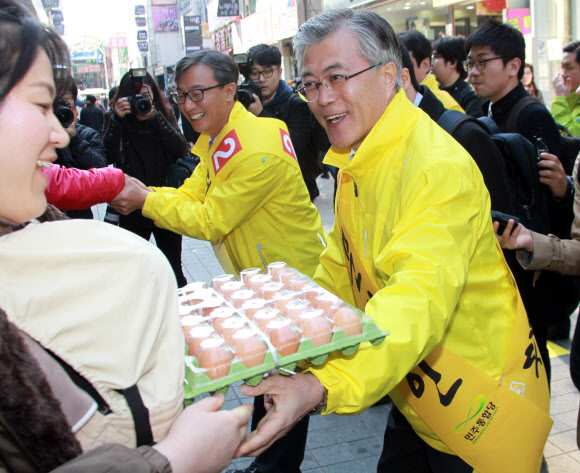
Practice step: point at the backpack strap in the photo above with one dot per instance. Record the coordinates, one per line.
(451, 120)
(140, 413)
(515, 113)
(488, 125)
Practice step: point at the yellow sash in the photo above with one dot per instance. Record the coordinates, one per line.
(236, 141)
(496, 426)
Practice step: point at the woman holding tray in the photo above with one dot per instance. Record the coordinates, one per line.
(39, 276)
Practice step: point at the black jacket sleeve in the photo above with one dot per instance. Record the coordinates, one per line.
(112, 133)
(175, 142)
(87, 148)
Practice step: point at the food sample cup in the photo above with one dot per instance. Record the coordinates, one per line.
(258, 280)
(230, 287)
(348, 321)
(189, 321)
(219, 281)
(214, 357)
(250, 307)
(294, 310)
(264, 316)
(220, 315)
(315, 327)
(196, 335)
(239, 297)
(270, 290)
(283, 336)
(246, 274)
(274, 269)
(231, 326)
(249, 347)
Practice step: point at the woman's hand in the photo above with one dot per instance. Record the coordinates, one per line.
(122, 107)
(518, 239)
(203, 439)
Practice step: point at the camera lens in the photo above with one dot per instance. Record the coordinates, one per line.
(143, 106)
(64, 114)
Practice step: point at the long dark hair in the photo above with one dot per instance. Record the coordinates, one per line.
(532, 89)
(21, 38)
(126, 90)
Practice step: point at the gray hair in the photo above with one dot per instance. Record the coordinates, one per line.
(225, 70)
(378, 43)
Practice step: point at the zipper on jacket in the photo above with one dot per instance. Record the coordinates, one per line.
(365, 250)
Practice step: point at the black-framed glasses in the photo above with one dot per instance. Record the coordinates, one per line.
(195, 95)
(333, 83)
(266, 73)
(480, 63)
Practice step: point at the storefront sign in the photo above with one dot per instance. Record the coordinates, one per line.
(228, 8)
(140, 21)
(165, 19)
(143, 46)
(184, 6)
(520, 19)
(117, 43)
(163, 2)
(139, 10)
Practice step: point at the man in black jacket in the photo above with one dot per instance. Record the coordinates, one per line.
(86, 149)
(447, 67)
(279, 101)
(470, 135)
(92, 116)
(495, 65)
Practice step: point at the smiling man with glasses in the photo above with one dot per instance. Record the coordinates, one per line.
(413, 246)
(246, 196)
(279, 101)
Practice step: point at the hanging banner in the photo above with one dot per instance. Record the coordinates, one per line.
(520, 19)
(165, 19)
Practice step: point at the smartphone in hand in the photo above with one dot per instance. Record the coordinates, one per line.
(503, 220)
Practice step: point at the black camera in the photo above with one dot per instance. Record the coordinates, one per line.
(248, 86)
(61, 109)
(139, 104)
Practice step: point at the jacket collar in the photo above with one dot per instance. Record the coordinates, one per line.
(201, 147)
(430, 104)
(399, 116)
(504, 105)
(282, 93)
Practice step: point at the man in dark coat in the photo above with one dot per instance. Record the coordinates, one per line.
(279, 101)
(85, 149)
(92, 116)
(447, 67)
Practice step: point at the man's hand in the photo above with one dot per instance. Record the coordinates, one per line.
(203, 439)
(552, 174)
(289, 399)
(71, 130)
(519, 238)
(132, 197)
(562, 85)
(256, 106)
(122, 107)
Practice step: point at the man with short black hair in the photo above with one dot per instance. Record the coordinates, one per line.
(279, 101)
(92, 116)
(566, 104)
(495, 64)
(447, 67)
(421, 51)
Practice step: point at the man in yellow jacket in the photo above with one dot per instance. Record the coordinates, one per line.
(247, 196)
(413, 245)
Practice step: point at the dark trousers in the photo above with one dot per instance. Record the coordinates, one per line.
(285, 455)
(405, 452)
(168, 242)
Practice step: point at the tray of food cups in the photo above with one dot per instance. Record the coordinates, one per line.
(240, 329)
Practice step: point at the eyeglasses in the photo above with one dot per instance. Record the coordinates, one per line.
(480, 63)
(333, 83)
(195, 95)
(266, 73)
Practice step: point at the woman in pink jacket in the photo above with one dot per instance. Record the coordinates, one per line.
(73, 189)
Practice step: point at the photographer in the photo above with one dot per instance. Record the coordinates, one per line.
(142, 138)
(85, 150)
(279, 101)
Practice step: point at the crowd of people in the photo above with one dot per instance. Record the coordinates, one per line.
(409, 126)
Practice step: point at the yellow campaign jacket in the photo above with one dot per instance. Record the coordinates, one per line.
(260, 209)
(419, 218)
(446, 98)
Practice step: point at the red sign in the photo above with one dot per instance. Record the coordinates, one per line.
(287, 144)
(229, 147)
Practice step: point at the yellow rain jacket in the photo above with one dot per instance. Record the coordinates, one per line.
(419, 217)
(446, 98)
(247, 196)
